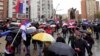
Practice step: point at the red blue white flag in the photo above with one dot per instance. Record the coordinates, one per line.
(22, 6)
(24, 25)
(17, 6)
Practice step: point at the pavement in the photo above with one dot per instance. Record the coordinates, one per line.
(96, 47)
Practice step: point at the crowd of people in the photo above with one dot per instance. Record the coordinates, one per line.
(80, 39)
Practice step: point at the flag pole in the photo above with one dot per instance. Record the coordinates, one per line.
(15, 37)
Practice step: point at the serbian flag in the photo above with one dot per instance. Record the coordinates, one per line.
(22, 8)
(17, 6)
(5, 33)
(29, 2)
(24, 25)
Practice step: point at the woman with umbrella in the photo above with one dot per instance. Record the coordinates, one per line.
(45, 49)
(43, 38)
(60, 49)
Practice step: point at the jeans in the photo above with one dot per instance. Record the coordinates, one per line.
(39, 49)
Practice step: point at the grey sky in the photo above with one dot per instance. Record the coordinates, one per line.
(65, 5)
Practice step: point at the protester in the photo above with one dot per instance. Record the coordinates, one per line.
(45, 49)
(64, 31)
(9, 50)
(38, 45)
(6, 25)
(96, 30)
(71, 39)
(27, 44)
(80, 45)
(48, 30)
(89, 30)
(59, 38)
(90, 41)
(17, 42)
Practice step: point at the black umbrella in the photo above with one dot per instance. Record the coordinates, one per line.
(61, 49)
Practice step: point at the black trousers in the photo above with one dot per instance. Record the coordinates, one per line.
(9, 54)
(90, 49)
(97, 35)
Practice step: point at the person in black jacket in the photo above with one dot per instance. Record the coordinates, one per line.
(96, 30)
(60, 39)
(90, 40)
(80, 45)
(71, 39)
(9, 50)
(27, 44)
(64, 31)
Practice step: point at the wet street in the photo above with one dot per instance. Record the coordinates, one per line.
(96, 48)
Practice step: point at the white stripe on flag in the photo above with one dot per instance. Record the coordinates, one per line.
(24, 35)
(23, 27)
(24, 6)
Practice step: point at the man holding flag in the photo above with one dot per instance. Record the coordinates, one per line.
(24, 25)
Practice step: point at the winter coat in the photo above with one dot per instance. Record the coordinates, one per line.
(89, 39)
(82, 45)
(60, 39)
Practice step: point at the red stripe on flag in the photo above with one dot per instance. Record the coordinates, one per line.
(17, 6)
(29, 2)
(23, 21)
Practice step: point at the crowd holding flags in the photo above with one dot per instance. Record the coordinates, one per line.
(21, 8)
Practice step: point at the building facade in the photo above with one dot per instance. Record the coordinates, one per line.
(12, 10)
(35, 9)
(91, 9)
(88, 8)
(44, 8)
(3, 9)
(77, 15)
(97, 7)
(83, 9)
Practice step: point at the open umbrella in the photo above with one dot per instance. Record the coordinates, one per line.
(53, 25)
(5, 33)
(61, 49)
(71, 26)
(31, 29)
(41, 30)
(43, 37)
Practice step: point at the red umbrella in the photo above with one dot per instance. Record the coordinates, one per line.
(72, 26)
(42, 25)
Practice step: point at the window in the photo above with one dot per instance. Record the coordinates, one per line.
(1, 0)
(1, 12)
(1, 8)
(26, 9)
(1, 3)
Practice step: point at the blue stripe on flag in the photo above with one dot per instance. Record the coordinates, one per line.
(5, 33)
(21, 8)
